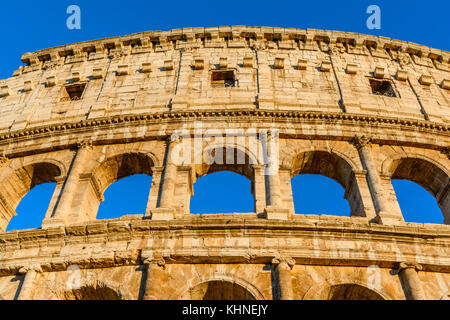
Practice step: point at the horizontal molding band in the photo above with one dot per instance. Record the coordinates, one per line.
(269, 115)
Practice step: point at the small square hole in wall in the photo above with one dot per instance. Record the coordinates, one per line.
(382, 88)
(223, 78)
(75, 91)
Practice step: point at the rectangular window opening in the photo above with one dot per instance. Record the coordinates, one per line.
(223, 78)
(75, 91)
(382, 88)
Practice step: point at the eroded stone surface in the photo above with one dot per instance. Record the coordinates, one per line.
(359, 109)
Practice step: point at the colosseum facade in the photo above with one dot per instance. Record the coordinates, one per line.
(359, 109)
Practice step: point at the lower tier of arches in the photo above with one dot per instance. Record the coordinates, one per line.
(222, 282)
(217, 257)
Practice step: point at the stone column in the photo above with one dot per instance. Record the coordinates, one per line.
(359, 197)
(165, 209)
(56, 195)
(155, 277)
(275, 209)
(443, 200)
(259, 187)
(67, 195)
(154, 190)
(27, 288)
(184, 190)
(410, 279)
(287, 198)
(273, 171)
(283, 267)
(383, 210)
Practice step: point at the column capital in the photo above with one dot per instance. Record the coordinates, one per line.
(285, 168)
(85, 144)
(158, 169)
(155, 262)
(361, 141)
(3, 160)
(61, 179)
(258, 166)
(173, 137)
(284, 262)
(26, 269)
(409, 265)
(445, 151)
(360, 173)
(269, 133)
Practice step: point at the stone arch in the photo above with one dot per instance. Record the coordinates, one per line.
(332, 164)
(354, 290)
(96, 290)
(122, 165)
(254, 158)
(288, 160)
(241, 163)
(114, 168)
(426, 172)
(389, 165)
(206, 285)
(243, 167)
(20, 180)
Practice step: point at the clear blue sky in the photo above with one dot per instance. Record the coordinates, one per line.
(31, 25)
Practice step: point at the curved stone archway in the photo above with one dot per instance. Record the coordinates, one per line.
(344, 291)
(121, 166)
(218, 290)
(222, 287)
(224, 158)
(20, 182)
(331, 165)
(109, 171)
(349, 291)
(426, 173)
(95, 291)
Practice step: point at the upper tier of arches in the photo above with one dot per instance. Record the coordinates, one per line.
(82, 175)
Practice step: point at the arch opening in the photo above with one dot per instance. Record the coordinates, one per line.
(122, 166)
(124, 176)
(226, 159)
(218, 290)
(408, 177)
(127, 196)
(32, 208)
(92, 292)
(349, 291)
(222, 192)
(225, 179)
(317, 194)
(18, 184)
(314, 167)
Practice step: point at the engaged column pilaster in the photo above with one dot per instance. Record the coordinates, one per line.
(155, 276)
(410, 279)
(283, 267)
(383, 210)
(69, 188)
(165, 209)
(275, 209)
(29, 281)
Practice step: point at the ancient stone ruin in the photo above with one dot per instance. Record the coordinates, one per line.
(267, 103)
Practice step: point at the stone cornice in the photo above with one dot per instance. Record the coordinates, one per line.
(219, 115)
(284, 38)
(339, 229)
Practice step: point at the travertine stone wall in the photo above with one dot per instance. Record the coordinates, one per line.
(149, 94)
